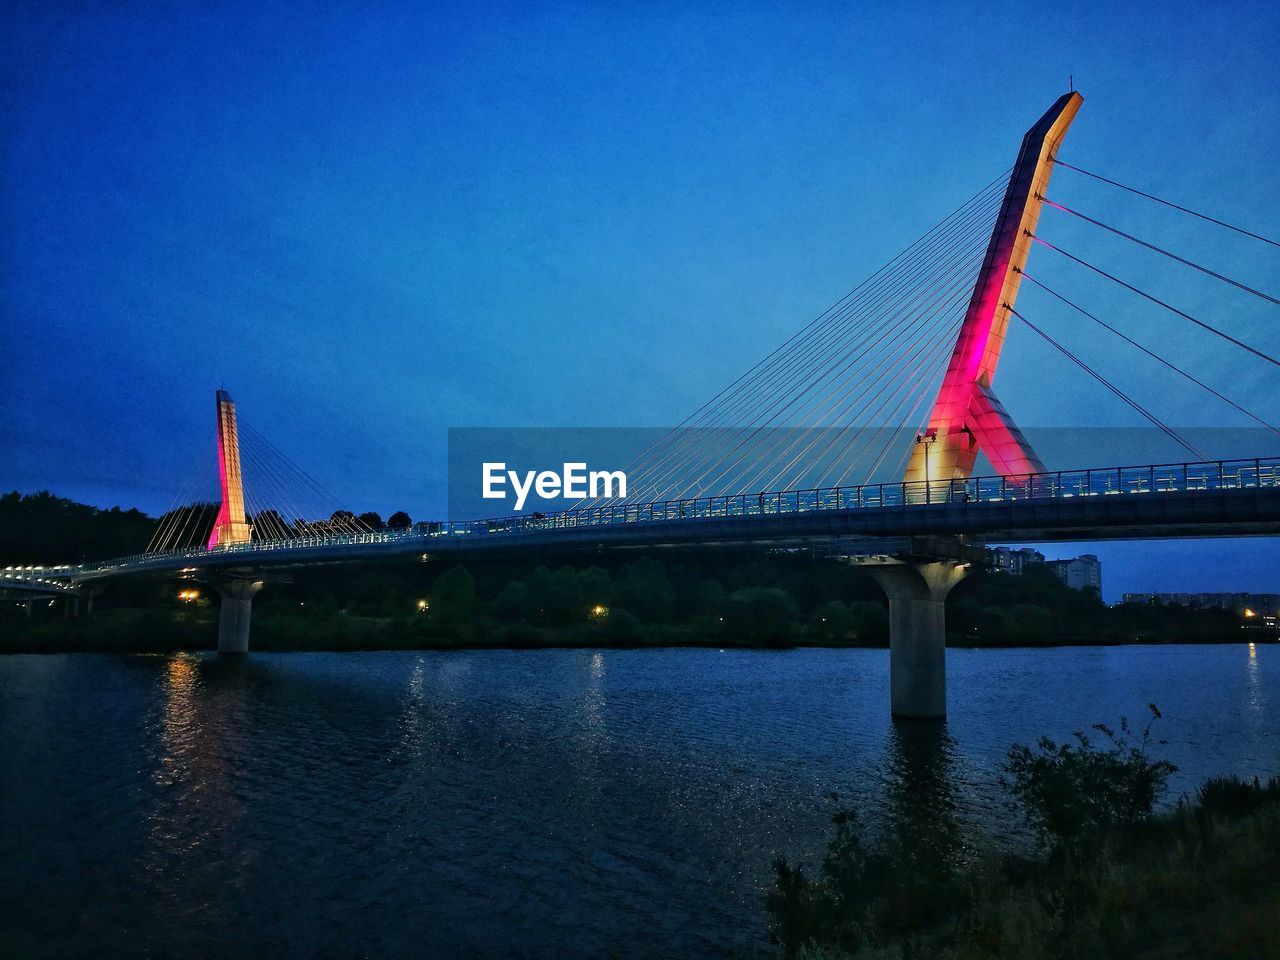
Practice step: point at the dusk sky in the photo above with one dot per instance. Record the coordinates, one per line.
(376, 224)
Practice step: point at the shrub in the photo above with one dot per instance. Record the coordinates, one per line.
(1030, 624)
(1233, 797)
(1071, 789)
(709, 599)
(453, 597)
(832, 621)
(870, 621)
(644, 589)
(519, 636)
(1197, 881)
(621, 627)
(865, 895)
(759, 614)
(597, 586)
(557, 595)
(514, 604)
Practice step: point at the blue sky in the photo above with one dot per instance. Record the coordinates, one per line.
(373, 224)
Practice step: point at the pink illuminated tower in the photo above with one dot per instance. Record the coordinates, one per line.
(967, 416)
(231, 525)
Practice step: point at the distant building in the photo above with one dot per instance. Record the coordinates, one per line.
(1247, 605)
(1014, 561)
(1078, 572)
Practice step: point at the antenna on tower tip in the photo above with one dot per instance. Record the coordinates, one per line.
(1071, 82)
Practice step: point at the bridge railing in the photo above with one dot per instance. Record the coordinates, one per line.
(1058, 485)
(1063, 484)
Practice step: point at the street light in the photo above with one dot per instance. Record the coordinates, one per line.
(928, 438)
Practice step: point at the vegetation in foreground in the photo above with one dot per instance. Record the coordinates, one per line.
(1109, 877)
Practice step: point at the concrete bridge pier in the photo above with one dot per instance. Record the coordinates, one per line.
(235, 613)
(88, 596)
(917, 593)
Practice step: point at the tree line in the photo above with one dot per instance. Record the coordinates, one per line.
(743, 595)
(41, 528)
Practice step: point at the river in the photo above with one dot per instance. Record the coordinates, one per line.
(552, 803)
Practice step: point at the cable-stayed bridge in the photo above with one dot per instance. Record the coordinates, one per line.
(798, 448)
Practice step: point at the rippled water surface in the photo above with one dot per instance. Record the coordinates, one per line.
(545, 803)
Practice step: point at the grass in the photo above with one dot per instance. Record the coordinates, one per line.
(1193, 884)
(1111, 878)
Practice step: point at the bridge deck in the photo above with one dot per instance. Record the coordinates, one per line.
(1218, 498)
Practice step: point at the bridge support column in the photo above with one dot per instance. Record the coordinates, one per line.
(235, 613)
(917, 595)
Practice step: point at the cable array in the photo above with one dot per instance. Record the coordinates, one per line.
(806, 414)
(1151, 417)
(1160, 303)
(281, 500)
(1163, 251)
(828, 407)
(1168, 203)
(193, 508)
(1153, 355)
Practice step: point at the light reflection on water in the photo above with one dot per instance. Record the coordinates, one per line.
(543, 803)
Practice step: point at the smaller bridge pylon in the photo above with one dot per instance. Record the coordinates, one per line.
(231, 525)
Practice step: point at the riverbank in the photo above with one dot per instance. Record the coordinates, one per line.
(166, 630)
(1199, 883)
(1111, 879)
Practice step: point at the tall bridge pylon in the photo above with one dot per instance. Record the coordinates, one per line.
(967, 416)
(231, 525)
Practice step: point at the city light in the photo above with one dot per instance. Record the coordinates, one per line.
(1249, 613)
(599, 611)
(423, 606)
(188, 596)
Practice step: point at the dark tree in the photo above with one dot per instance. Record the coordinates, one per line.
(187, 526)
(269, 525)
(514, 604)
(399, 520)
(644, 590)
(42, 528)
(453, 598)
(760, 615)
